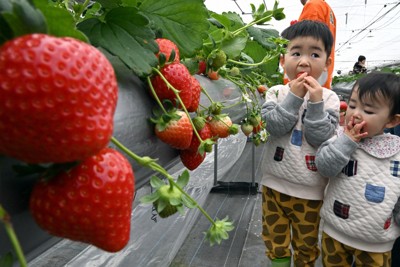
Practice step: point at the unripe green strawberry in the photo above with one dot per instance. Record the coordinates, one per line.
(169, 210)
(235, 71)
(247, 128)
(255, 120)
(57, 99)
(217, 59)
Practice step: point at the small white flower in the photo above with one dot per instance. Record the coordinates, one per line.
(246, 98)
(263, 135)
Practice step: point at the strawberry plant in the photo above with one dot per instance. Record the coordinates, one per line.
(59, 66)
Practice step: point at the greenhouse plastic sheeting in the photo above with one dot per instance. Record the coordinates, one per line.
(155, 241)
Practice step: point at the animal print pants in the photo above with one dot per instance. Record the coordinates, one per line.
(337, 254)
(289, 221)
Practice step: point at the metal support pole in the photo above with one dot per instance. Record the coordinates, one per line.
(216, 163)
(253, 165)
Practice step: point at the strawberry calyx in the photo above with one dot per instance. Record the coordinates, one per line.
(219, 231)
(168, 198)
(216, 108)
(46, 171)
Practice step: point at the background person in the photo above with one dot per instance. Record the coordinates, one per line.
(359, 66)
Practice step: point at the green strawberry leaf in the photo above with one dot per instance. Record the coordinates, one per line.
(150, 198)
(161, 204)
(21, 18)
(156, 182)
(223, 20)
(186, 31)
(188, 202)
(262, 36)
(231, 44)
(6, 260)
(124, 33)
(5, 29)
(175, 201)
(257, 52)
(60, 22)
(183, 179)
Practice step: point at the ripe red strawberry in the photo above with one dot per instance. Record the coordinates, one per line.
(213, 75)
(196, 93)
(202, 67)
(166, 46)
(259, 127)
(261, 89)
(220, 126)
(299, 74)
(191, 159)
(179, 77)
(91, 203)
(177, 132)
(343, 106)
(205, 133)
(57, 99)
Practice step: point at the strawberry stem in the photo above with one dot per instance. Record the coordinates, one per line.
(151, 163)
(264, 60)
(234, 33)
(172, 181)
(6, 220)
(207, 95)
(155, 95)
(176, 92)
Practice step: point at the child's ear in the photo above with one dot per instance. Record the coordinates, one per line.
(328, 63)
(394, 121)
(282, 61)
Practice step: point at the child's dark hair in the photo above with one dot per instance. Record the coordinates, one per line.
(384, 84)
(311, 28)
(361, 58)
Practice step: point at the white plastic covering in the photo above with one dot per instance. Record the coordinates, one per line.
(155, 241)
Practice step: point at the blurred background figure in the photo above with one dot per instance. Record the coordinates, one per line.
(359, 66)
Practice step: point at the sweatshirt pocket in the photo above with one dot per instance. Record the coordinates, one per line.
(374, 193)
(394, 168)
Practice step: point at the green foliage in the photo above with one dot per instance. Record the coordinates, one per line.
(353, 77)
(124, 33)
(172, 19)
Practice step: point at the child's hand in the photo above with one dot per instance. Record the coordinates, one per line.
(297, 86)
(314, 88)
(354, 130)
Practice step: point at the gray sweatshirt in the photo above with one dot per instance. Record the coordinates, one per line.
(296, 127)
(363, 190)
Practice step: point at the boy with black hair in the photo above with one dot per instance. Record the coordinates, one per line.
(299, 117)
